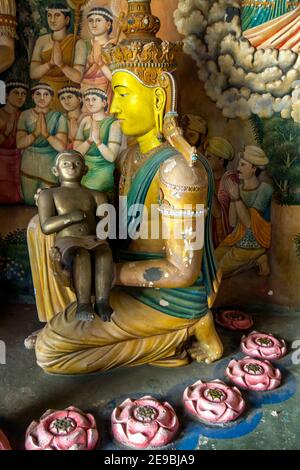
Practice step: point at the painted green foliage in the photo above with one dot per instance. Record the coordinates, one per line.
(15, 275)
(280, 139)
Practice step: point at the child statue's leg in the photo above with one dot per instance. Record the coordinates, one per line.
(103, 281)
(82, 280)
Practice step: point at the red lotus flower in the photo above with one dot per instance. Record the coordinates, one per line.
(68, 429)
(214, 402)
(254, 374)
(263, 346)
(144, 423)
(234, 320)
(4, 444)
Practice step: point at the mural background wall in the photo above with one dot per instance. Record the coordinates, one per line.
(203, 81)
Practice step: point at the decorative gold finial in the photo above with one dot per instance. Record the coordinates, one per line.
(141, 51)
(140, 23)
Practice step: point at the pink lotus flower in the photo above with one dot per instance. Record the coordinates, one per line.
(234, 320)
(263, 346)
(4, 444)
(68, 429)
(144, 423)
(214, 402)
(254, 374)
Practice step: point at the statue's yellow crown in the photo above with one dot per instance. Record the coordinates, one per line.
(141, 51)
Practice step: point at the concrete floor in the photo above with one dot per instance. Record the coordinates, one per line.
(272, 420)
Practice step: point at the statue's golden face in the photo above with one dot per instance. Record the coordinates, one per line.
(133, 104)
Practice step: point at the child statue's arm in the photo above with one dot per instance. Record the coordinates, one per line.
(51, 223)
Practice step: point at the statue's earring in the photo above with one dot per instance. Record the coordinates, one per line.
(159, 126)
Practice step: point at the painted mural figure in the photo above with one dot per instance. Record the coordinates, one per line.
(53, 52)
(10, 156)
(89, 69)
(219, 152)
(250, 207)
(272, 23)
(69, 212)
(70, 98)
(99, 139)
(195, 129)
(41, 134)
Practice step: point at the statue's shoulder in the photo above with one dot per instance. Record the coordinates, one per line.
(175, 172)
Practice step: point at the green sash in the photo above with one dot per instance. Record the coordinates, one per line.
(189, 302)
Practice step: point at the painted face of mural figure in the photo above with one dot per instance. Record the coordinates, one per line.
(57, 20)
(193, 137)
(245, 169)
(98, 25)
(70, 101)
(94, 103)
(215, 163)
(133, 105)
(17, 97)
(42, 98)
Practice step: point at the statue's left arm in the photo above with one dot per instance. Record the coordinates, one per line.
(182, 263)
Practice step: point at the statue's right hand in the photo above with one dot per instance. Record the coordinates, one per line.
(77, 216)
(36, 196)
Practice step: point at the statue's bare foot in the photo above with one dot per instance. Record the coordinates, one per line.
(30, 341)
(104, 310)
(208, 347)
(84, 312)
(209, 354)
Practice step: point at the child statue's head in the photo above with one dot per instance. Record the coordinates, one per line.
(69, 166)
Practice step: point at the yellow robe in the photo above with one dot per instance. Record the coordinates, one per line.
(55, 77)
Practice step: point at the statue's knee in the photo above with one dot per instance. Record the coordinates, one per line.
(82, 255)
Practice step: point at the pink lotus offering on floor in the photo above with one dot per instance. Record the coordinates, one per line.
(213, 402)
(234, 320)
(69, 429)
(4, 444)
(263, 346)
(144, 423)
(254, 374)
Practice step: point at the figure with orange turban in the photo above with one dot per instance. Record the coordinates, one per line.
(219, 152)
(249, 212)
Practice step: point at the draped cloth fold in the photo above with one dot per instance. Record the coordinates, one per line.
(260, 227)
